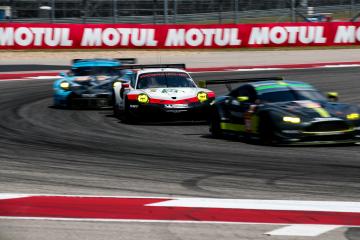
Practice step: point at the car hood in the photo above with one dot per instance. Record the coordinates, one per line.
(171, 93)
(89, 85)
(314, 109)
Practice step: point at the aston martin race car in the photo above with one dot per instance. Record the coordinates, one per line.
(276, 111)
(160, 92)
(89, 83)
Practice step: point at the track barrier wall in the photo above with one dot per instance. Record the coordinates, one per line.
(89, 36)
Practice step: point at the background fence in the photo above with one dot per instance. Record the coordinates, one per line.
(177, 11)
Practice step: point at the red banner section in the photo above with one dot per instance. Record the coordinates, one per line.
(78, 36)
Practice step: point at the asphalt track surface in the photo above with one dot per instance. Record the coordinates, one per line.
(52, 151)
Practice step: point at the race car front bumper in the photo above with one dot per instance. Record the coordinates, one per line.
(166, 112)
(90, 101)
(342, 133)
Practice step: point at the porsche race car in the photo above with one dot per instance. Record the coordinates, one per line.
(275, 111)
(89, 83)
(160, 92)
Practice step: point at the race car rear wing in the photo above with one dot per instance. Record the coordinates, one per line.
(143, 66)
(127, 60)
(121, 60)
(228, 82)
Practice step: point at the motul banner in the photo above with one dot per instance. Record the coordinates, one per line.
(78, 36)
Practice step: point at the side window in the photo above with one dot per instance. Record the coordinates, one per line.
(246, 91)
(252, 94)
(241, 91)
(129, 76)
(134, 80)
(238, 92)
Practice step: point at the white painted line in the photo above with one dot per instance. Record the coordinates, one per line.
(11, 80)
(76, 195)
(217, 71)
(12, 196)
(322, 206)
(341, 66)
(22, 79)
(303, 230)
(258, 69)
(44, 77)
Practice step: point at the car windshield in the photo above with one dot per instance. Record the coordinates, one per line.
(88, 71)
(165, 80)
(291, 95)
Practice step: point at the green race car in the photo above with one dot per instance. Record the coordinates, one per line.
(278, 111)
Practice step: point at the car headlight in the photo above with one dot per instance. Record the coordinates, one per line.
(294, 120)
(65, 85)
(353, 116)
(115, 84)
(202, 96)
(143, 98)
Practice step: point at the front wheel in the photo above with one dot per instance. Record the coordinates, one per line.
(215, 125)
(127, 116)
(116, 111)
(267, 132)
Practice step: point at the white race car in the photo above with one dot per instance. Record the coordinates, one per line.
(160, 92)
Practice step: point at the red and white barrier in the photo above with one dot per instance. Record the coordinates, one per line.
(78, 36)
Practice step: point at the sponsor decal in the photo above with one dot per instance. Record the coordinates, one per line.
(75, 36)
(176, 105)
(327, 119)
(172, 90)
(316, 107)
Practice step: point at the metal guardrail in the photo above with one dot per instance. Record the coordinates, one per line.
(276, 15)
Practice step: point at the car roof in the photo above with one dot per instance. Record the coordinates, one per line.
(269, 86)
(96, 62)
(156, 70)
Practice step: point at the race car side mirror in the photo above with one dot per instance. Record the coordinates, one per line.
(242, 98)
(62, 74)
(124, 86)
(333, 96)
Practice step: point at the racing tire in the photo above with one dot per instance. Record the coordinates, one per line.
(127, 116)
(215, 128)
(70, 105)
(116, 111)
(267, 132)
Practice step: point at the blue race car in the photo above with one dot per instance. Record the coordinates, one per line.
(89, 83)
